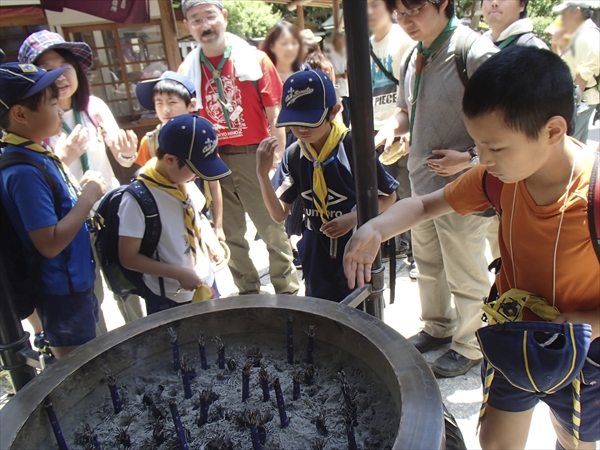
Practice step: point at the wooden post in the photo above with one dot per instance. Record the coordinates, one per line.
(336, 16)
(169, 32)
(300, 17)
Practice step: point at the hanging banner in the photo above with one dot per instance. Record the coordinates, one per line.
(121, 11)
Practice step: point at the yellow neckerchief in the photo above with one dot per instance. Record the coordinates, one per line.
(94, 220)
(150, 176)
(337, 134)
(509, 307)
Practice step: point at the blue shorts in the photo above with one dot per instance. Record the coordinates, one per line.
(505, 397)
(157, 303)
(69, 320)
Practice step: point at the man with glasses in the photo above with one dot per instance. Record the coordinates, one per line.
(509, 24)
(449, 251)
(239, 91)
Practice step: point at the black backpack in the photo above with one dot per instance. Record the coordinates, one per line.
(120, 280)
(25, 285)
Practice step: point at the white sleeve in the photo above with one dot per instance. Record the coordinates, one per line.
(131, 218)
(105, 118)
(196, 196)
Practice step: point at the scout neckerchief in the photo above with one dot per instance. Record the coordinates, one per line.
(319, 160)
(93, 222)
(506, 42)
(422, 55)
(216, 73)
(83, 159)
(152, 177)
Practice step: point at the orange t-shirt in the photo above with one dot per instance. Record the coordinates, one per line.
(143, 152)
(534, 233)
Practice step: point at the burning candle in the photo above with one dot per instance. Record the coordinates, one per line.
(173, 338)
(311, 343)
(183, 445)
(60, 439)
(205, 399)
(263, 377)
(202, 349)
(186, 372)
(114, 393)
(280, 404)
(220, 351)
(245, 382)
(297, 380)
(290, 340)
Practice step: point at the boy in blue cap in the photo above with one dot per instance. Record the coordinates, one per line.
(52, 229)
(317, 168)
(517, 108)
(181, 266)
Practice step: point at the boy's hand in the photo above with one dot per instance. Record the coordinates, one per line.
(339, 226)
(592, 318)
(217, 255)
(93, 186)
(69, 148)
(449, 162)
(189, 279)
(264, 156)
(220, 233)
(359, 255)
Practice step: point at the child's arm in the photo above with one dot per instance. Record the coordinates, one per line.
(51, 241)
(130, 257)
(217, 208)
(362, 248)
(590, 317)
(211, 240)
(397, 125)
(278, 210)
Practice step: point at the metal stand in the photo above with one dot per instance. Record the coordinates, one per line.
(361, 113)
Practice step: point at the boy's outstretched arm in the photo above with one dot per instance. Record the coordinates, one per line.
(217, 208)
(264, 162)
(132, 259)
(362, 249)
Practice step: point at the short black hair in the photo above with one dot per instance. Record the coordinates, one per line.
(410, 4)
(160, 154)
(525, 85)
(172, 87)
(32, 103)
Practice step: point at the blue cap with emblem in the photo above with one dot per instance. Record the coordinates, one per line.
(307, 96)
(193, 140)
(20, 81)
(145, 89)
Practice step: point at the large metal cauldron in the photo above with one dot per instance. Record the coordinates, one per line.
(24, 425)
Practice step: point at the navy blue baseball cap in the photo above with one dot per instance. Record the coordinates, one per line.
(145, 89)
(19, 81)
(194, 140)
(307, 95)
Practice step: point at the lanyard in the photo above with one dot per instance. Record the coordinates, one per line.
(216, 73)
(83, 159)
(422, 55)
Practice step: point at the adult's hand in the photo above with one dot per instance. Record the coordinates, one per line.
(449, 162)
(70, 148)
(359, 255)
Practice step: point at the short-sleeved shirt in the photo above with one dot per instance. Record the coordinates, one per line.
(173, 245)
(250, 125)
(29, 203)
(439, 122)
(338, 176)
(534, 232)
(391, 51)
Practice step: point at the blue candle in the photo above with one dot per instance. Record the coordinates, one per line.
(280, 404)
(297, 380)
(350, 434)
(205, 400)
(114, 394)
(60, 439)
(263, 377)
(183, 445)
(186, 372)
(253, 422)
(202, 348)
(245, 382)
(290, 340)
(220, 351)
(311, 343)
(173, 339)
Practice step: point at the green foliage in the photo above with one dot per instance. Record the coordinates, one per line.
(250, 19)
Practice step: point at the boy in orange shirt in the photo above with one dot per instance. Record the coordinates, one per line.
(170, 96)
(517, 108)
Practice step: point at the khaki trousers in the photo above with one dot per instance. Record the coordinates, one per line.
(450, 254)
(241, 194)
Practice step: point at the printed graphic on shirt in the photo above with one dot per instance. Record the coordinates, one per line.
(385, 91)
(214, 108)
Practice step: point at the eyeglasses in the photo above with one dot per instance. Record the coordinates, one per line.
(412, 12)
(210, 19)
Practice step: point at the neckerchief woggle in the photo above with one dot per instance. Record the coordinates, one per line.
(422, 55)
(319, 160)
(216, 73)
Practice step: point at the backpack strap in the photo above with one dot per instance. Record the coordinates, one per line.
(594, 205)
(464, 42)
(383, 69)
(409, 55)
(492, 188)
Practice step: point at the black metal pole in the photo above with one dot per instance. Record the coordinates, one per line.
(12, 337)
(361, 113)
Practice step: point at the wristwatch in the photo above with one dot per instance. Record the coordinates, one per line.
(474, 157)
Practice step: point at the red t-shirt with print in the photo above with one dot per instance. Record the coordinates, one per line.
(248, 121)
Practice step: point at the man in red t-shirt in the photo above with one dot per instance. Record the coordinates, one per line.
(239, 91)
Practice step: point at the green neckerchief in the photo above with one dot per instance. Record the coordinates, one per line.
(424, 53)
(509, 40)
(84, 159)
(216, 73)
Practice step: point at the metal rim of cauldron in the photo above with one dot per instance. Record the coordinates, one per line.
(418, 386)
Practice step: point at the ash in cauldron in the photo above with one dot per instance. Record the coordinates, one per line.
(271, 372)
